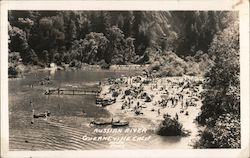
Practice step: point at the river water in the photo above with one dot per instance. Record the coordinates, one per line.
(68, 126)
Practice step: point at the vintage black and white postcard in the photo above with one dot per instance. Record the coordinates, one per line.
(124, 79)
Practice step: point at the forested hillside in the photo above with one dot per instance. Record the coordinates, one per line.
(112, 37)
(173, 43)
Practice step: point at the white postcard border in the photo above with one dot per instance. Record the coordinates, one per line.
(130, 5)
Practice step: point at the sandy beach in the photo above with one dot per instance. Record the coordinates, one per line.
(152, 111)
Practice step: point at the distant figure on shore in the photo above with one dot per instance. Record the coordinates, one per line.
(182, 104)
(159, 112)
(176, 116)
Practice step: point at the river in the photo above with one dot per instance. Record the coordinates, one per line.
(67, 126)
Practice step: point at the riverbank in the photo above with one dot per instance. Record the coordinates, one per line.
(21, 69)
(143, 98)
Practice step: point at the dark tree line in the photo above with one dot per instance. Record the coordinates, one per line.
(112, 37)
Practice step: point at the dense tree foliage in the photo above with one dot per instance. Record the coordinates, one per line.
(170, 127)
(224, 134)
(116, 37)
(200, 28)
(221, 104)
(90, 49)
(222, 89)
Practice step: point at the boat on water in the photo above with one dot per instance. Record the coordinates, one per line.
(45, 114)
(117, 123)
(94, 122)
(105, 102)
(120, 124)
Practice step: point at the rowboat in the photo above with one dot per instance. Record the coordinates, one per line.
(105, 102)
(116, 123)
(45, 114)
(120, 124)
(100, 122)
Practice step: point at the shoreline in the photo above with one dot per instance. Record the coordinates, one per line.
(152, 119)
(25, 69)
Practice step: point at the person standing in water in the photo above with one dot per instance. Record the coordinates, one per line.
(58, 91)
(33, 113)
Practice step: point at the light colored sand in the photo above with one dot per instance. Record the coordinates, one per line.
(188, 121)
(147, 113)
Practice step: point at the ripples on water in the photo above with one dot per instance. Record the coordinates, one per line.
(67, 125)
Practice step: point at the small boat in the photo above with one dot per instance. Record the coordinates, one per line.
(120, 124)
(106, 102)
(45, 114)
(100, 123)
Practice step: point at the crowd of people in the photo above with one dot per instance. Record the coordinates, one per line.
(136, 93)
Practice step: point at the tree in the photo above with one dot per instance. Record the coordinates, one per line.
(224, 134)
(14, 57)
(51, 31)
(19, 44)
(199, 29)
(222, 90)
(117, 42)
(18, 41)
(221, 105)
(170, 127)
(72, 31)
(129, 52)
(90, 49)
(57, 59)
(26, 25)
(45, 56)
(98, 44)
(130, 33)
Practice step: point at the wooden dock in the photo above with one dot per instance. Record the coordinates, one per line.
(62, 91)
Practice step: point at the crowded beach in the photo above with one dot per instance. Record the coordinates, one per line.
(147, 96)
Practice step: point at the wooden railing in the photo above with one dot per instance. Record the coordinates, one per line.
(63, 91)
